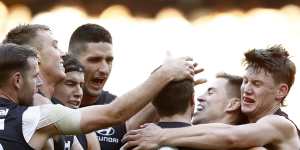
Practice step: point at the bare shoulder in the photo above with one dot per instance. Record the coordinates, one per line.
(284, 126)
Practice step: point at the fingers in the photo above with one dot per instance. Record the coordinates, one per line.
(146, 125)
(198, 70)
(130, 144)
(131, 138)
(199, 81)
(186, 58)
(131, 135)
(138, 148)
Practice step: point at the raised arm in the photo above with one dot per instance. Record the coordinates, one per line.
(131, 102)
(70, 121)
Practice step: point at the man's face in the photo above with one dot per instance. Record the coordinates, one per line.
(69, 91)
(51, 63)
(30, 80)
(211, 105)
(258, 92)
(97, 61)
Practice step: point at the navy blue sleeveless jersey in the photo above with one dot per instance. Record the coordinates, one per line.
(83, 141)
(11, 134)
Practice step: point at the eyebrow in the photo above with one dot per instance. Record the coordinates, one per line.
(211, 89)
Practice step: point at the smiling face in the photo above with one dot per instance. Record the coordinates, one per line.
(258, 92)
(69, 91)
(211, 104)
(51, 63)
(97, 61)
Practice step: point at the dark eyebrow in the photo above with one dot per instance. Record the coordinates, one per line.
(259, 81)
(210, 89)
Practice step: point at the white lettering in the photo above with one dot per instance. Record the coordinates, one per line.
(108, 139)
(2, 124)
(68, 145)
(3, 112)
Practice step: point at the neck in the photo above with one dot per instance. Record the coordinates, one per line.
(47, 87)
(88, 100)
(186, 117)
(271, 110)
(8, 95)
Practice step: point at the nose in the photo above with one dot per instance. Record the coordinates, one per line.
(104, 68)
(246, 89)
(78, 93)
(200, 99)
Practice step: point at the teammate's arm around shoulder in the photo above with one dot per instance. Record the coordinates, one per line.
(271, 129)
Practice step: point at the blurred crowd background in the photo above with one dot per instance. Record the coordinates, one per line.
(215, 33)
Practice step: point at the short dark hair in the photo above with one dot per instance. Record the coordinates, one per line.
(174, 98)
(14, 58)
(23, 34)
(274, 60)
(234, 84)
(87, 33)
(72, 64)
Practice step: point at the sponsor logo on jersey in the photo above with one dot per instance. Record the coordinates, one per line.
(106, 132)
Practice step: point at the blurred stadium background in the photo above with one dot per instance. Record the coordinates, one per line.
(215, 33)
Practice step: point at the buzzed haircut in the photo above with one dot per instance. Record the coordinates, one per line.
(233, 87)
(23, 34)
(72, 64)
(14, 58)
(87, 33)
(175, 98)
(274, 60)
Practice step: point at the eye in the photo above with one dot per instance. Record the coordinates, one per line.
(81, 85)
(256, 83)
(109, 60)
(95, 59)
(210, 91)
(69, 83)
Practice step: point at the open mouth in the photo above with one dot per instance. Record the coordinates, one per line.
(98, 81)
(200, 107)
(248, 100)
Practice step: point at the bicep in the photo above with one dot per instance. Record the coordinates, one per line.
(265, 131)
